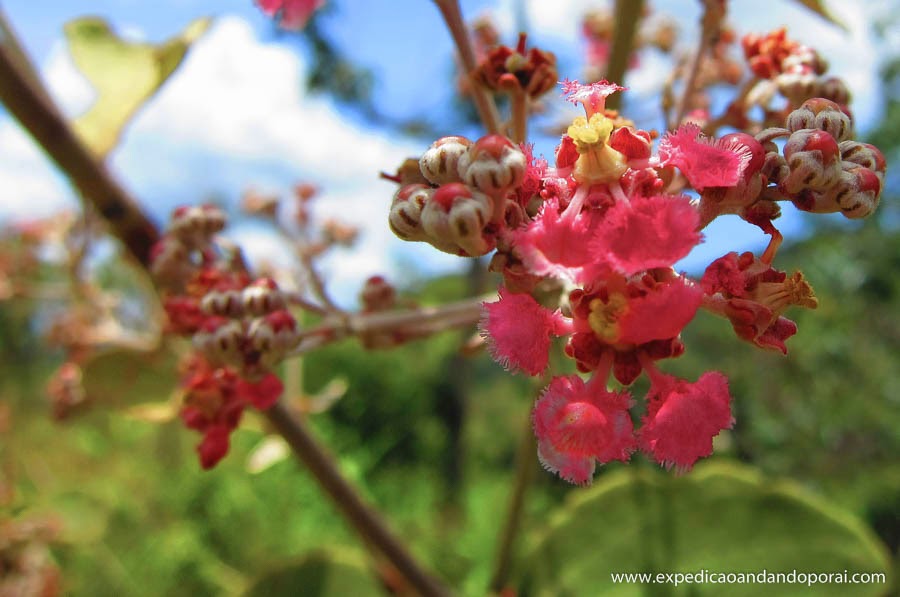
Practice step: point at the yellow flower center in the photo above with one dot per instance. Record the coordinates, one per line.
(604, 317)
(597, 162)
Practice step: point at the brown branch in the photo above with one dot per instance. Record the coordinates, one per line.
(30, 104)
(363, 519)
(484, 101)
(626, 18)
(710, 23)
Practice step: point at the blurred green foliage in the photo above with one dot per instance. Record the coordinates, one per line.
(430, 436)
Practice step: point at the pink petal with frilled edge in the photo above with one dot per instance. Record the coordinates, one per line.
(661, 313)
(518, 331)
(576, 423)
(592, 96)
(646, 232)
(705, 162)
(683, 418)
(555, 246)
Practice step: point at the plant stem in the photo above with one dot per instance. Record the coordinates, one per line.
(363, 519)
(484, 101)
(525, 466)
(28, 101)
(710, 23)
(626, 19)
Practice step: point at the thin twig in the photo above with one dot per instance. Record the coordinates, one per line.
(363, 518)
(484, 101)
(525, 467)
(710, 23)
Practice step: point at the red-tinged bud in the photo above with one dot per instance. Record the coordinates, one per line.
(814, 159)
(855, 195)
(169, 261)
(797, 86)
(195, 225)
(272, 337)
(864, 154)
(262, 297)
(633, 144)
(440, 163)
(754, 149)
(456, 217)
(406, 211)
(224, 303)
(377, 295)
(566, 153)
(221, 341)
(494, 165)
(824, 115)
(834, 89)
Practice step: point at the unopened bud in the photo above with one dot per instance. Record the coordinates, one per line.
(273, 336)
(262, 297)
(814, 159)
(863, 154)
(440, 162)
(221, 341)
(493, 165)
(195, 225)
(824, 115)
(406, 211)
(633, 144)
(377, 295)
(456, 215)
(224, 303)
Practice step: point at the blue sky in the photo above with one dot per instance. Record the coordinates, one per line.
(236, 116)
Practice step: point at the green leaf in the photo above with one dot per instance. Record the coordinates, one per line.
(124, 74)
(818, 7)
(719, 518)
(319, 574)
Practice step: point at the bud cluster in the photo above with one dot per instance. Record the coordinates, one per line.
(829, 171)
(241, 329)
(469, 199)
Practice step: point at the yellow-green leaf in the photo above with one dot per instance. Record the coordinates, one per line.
(818, 7)
(124, 74)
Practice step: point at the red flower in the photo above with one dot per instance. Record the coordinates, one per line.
(683, 418)
(578, 424)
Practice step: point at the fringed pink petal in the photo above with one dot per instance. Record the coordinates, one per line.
(705, 162)
(518, 331)
(683, 418)
(647, 232)
(661, 313)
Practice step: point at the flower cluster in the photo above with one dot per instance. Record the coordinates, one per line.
(605, 224)
(241, 328)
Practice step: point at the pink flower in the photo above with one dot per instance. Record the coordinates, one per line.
(705, 162)
(294, 14)
(559, 245)
(578, 425)
(647, 232)
(518, 330)
(592, 96)
(683, 418)
(661, 313)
